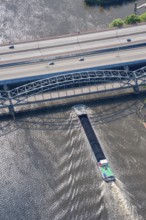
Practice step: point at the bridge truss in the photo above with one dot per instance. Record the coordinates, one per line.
(62, 85)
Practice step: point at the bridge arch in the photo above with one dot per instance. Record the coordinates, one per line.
(21, 94)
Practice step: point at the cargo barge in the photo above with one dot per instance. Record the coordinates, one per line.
(102, 162)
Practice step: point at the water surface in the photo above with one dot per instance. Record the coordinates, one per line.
(34, 19)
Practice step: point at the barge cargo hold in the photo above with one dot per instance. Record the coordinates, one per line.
(102, 162)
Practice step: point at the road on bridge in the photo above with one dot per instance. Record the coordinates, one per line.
(36, 69)
(69, 45)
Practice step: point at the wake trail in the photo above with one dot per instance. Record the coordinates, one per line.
(118, 201)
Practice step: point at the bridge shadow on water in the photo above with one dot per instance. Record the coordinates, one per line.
(109, 110)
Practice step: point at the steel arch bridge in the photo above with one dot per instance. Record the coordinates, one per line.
(79, 82)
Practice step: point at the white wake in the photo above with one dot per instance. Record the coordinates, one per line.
(118, 202)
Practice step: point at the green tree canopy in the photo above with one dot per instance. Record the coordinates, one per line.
(105, 2)
(142, 17)
(132, 19)
(117, 23)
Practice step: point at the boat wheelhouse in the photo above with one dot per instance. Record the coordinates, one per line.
(106, 172)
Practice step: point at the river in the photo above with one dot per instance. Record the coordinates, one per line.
(34, 19)
(47, 168)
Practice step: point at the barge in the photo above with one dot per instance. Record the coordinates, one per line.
(102, 163)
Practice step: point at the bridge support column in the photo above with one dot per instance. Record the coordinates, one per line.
(11, 106)
(136, 89)
(12, 111)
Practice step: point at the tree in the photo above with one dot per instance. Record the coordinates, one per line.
(90, 2)
(117, 23)
(142, 17)
(104, 2)
(132, 19)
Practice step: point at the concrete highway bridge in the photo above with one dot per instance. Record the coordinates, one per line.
(30, 61)
(71, 85)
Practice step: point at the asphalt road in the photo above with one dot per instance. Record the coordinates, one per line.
(73, 44)
(34, 69)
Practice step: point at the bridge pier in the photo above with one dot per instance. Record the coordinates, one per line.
(136, 89)
(12, 111)
(11, 106)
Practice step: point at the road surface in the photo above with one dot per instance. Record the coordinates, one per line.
(73, 44)
(36, 69)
